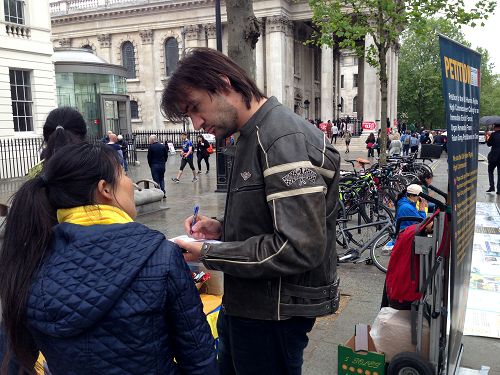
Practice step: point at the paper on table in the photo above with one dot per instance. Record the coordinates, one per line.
(186, 238)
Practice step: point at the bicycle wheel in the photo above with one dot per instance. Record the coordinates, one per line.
(381, 250)
(365, 212)
(341, 215)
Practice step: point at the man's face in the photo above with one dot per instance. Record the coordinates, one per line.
(215, 115)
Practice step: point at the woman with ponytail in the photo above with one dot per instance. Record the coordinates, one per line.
(91, 289)
(63, 126)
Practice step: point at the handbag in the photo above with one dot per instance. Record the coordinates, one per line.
(210, 149)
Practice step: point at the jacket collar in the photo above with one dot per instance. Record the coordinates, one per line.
(258, 116)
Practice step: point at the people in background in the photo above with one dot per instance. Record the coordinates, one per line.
(202, 146)
(157, 157)
(414, 143)
(494, 159)
(124, 147)
(370, 143)
(186, 158)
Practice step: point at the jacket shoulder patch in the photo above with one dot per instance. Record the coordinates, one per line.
(302, 175)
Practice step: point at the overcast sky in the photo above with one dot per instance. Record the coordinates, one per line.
(487, 36)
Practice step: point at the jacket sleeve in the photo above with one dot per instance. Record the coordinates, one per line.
(295, 194)
(192, 340)
(149, 156)
(165, 152)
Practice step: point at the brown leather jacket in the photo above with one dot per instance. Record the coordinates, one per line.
(278, 256)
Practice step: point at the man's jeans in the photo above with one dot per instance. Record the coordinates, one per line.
(262, 347)
(158, 174)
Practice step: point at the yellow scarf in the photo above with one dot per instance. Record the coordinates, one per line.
(93, 215)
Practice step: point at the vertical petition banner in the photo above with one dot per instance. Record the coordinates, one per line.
(460, 68)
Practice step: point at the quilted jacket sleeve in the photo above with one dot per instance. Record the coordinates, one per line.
(192, 340)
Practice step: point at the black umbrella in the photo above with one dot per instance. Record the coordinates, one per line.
(489, 120)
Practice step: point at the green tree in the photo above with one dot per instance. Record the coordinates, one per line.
(346, 23)
(490, 86)
(420, 86)
(420, 96)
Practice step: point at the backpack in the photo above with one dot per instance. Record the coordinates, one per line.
(403, 270)
(406, 141)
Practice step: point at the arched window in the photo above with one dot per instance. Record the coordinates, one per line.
(171, 55)
(128, 59)
(134, 109)
(355, 104)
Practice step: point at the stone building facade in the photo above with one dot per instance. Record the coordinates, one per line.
(148, 37)
(27, 79)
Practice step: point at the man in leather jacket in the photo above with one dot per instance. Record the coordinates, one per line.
(278, 251)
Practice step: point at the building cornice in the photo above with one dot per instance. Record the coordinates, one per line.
(121, 10)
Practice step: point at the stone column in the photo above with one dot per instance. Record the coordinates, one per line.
(326, 83)
(336, 88)
(260, 78)
(211, 35)
(149, 107)
(371, 92)
(105, 44)
(275, 56)
(289, 79)
(192, 36)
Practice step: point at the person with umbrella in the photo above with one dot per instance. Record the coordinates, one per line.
(494, 157)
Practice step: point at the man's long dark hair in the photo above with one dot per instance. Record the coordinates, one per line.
(69, 179)
(63, 126)
(204, 69)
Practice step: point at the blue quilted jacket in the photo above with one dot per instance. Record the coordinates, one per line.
(118, 299)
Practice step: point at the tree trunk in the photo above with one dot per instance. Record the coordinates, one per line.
(382, 55)
(243, 33)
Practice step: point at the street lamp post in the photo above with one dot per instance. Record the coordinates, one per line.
(222, 153)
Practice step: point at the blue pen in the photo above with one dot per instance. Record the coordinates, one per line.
(195, 216)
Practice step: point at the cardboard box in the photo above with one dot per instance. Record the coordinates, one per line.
(366, 360)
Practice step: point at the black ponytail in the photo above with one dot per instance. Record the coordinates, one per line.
(63, 126)
(69, 179)
(27, 235)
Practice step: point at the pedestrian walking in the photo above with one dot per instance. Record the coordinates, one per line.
(186, 158)
(347, 138)
(335, 133)
(494, 159)
(395, 147)
(406, 140)
(276, 263)
(124, 147)
(370, 143)
(414, 143)
(202, 146)
(86, 281)
(157, 157)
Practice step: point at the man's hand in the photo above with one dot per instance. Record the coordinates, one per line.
(193, 250)
(205, 228)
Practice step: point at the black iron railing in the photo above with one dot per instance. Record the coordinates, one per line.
(19, 155)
